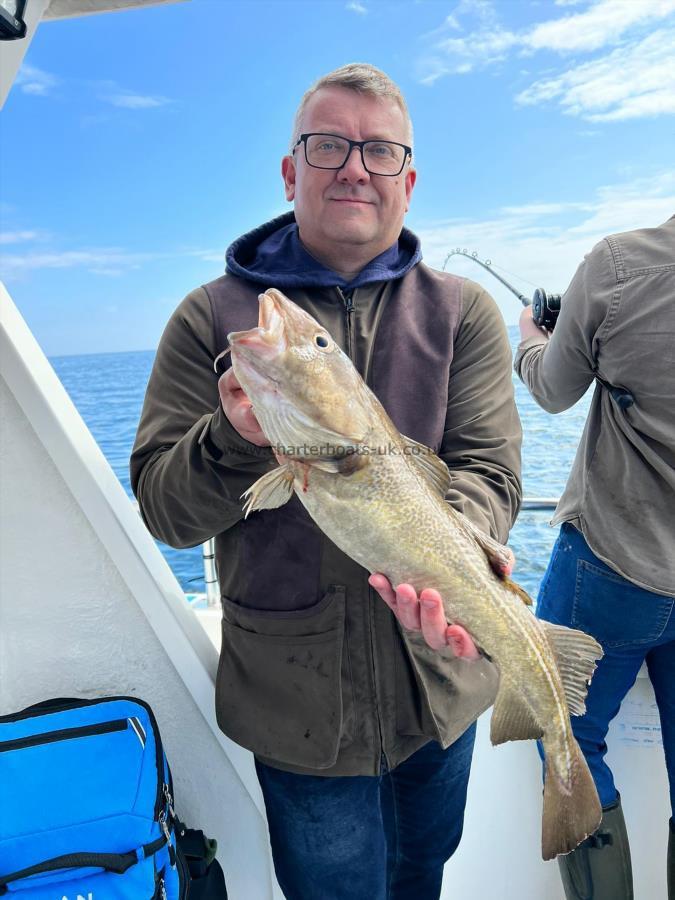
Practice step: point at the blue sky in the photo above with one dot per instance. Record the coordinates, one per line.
(137, 145)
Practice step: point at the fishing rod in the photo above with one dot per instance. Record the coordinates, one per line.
(545, 311)
(545, 306)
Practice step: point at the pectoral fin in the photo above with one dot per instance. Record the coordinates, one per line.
(575, 654)
(270, 491)
(512, 719)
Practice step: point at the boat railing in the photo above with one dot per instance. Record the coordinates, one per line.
(539, 503)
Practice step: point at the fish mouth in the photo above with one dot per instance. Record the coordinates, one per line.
(268, 339)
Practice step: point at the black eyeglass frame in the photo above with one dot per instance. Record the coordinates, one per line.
(360, 144)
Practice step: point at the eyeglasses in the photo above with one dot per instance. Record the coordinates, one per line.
(331, 151)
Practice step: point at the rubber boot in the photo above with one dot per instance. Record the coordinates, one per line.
(600, 868)
(671, 861)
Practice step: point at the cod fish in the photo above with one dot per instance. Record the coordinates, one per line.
(387, 511)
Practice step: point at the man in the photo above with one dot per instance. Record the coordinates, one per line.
(363, 748)
(612, 571)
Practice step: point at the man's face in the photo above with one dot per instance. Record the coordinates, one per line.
(349, 209)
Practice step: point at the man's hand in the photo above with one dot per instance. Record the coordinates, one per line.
(528, 328)
(239, 409)
(424, 613)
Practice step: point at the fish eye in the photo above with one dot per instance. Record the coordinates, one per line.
(321, 341)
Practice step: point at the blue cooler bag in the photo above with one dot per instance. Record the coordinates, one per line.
(85, 803)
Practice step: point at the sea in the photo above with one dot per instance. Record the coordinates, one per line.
(108, 390)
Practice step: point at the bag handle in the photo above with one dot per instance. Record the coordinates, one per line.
(118, 863)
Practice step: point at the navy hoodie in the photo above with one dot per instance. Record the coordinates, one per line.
(273, 253)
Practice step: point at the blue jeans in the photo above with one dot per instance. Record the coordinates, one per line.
(633, 625)
(366, 837)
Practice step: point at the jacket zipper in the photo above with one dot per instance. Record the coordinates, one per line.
(348, 303)
(369, 608)
(64, 734)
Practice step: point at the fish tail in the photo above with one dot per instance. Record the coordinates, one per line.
(572, 809)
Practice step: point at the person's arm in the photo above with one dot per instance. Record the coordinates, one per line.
(189, 465)
(558, 370)
(481, 443)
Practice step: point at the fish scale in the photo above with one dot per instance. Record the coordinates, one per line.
(380, 497)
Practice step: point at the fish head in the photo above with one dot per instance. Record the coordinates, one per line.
(305, 391)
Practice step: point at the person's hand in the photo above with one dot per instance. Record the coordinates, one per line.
(239, 409)
(528, 328)
(424, 613)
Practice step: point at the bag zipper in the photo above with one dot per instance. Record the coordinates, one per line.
(63, 734)
(66, 703)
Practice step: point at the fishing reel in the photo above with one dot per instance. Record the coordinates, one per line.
(545, 309)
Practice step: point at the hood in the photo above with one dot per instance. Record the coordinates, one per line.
(273, 254)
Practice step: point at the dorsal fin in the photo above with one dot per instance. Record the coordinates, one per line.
(429, 465)
(575, 654)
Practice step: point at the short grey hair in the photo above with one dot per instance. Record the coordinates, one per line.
(362, 78)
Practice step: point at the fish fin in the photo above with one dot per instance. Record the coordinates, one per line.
(512, 719)
(572, 809)
(218, 359)
(517, 590)
(430, 467)
(575, 654)
(270, 491)
(499, 556)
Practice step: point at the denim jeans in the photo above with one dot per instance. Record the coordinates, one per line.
(633, 625)
(366, 837)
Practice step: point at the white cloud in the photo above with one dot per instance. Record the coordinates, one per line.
(459, 55)
(543, 243)
(127, 100)
(601, 24)
(37, 82)
(634, 78)
(628, 83)
(18, 237)
(532, 210)
(217, 256)
(107, 261)
(453, 53)
(355, 6)
(100, 260)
